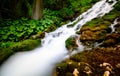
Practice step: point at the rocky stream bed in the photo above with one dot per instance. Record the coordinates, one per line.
(103, 57)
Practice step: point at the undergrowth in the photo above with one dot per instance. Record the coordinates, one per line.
(17, 30)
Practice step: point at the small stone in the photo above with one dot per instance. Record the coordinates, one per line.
(106, 73)
(75, 72)
(118, 65)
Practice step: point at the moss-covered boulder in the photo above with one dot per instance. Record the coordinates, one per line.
(111, 39)
(14, 47)
(71, 43)
(91, 34)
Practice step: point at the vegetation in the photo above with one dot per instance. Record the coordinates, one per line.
(71, 42)
(23, 28)
(17, 28)
(9, 48)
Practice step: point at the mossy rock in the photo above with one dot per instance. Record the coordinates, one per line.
(110, 17)
(39, 35)
(61, 69)
(51, 28)
(99, 27)
(99, 55)
(117, 27)
(68, 68)
(71, 43)
(111, 39)
(69, 74)
(72, 66)
(25, 45)
(4, 54)
(92, 34)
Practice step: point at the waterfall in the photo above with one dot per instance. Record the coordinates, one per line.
(42, 60)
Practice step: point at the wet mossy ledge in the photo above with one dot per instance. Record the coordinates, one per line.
(14, 47)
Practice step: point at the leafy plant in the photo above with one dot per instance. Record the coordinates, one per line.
(66, 12)
(17, 30)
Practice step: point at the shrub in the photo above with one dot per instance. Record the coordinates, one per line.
(17, 30)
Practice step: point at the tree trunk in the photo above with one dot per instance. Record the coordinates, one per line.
(37, 10)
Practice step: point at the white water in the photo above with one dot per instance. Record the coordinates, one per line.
(41, 61)
(112, 25)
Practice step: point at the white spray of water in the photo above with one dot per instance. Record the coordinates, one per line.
(41, 61)
(112, 25)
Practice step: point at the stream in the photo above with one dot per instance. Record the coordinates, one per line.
(42, 60)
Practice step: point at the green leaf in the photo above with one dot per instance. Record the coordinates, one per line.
(41, 27)
(5, 37)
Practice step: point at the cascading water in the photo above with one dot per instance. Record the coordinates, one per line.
(41, 61)
(112, 26)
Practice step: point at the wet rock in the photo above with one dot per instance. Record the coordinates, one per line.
(106, 73)
(66, 69)
(117, 69)
(117, 27)
(118, 19)
(85, 69)
(69, 74)
(75, 72)
(118, 65)
(38, 35)
(61, 69)
(75, 69)
(107, 68)
(72, 66)
(110, 1)
(111, 39)
(92, 34)
(71, 43)
(109, 42)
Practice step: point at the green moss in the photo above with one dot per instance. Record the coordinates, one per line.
(106, 19)
(69, 74)
(94, 22)
(111, 16)
(71, 43)
(5, 53)
(80, 57)
(61, 69)
(25, 45)
(14, 47)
